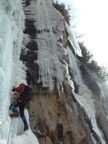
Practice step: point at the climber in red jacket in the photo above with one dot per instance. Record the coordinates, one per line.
(24, 95)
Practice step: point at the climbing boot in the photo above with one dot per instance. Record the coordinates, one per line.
(25, 127)
(15, 114)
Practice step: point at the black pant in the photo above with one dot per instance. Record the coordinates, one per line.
(21, 104)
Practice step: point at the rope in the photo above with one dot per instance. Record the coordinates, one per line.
(4, 121)
(9, 132)
(9, 128)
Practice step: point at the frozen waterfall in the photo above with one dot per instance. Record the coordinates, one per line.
(11, 69)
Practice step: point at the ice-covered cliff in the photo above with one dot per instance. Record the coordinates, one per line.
(12, 71)
(69, 102)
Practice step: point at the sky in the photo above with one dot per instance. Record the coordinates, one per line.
(89, 17)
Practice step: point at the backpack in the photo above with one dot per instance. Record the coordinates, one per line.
(27, 93)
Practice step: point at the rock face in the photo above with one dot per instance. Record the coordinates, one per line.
(56, 119)
(62, 109)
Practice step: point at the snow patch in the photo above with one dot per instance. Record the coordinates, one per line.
(84, 97)
(18, 135)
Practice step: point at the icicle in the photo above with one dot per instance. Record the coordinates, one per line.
(73, 41)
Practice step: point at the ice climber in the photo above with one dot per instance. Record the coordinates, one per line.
(24, 93)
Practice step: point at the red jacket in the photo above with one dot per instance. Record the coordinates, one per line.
(19, 88)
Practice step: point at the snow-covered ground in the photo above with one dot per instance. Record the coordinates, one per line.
(18, 135)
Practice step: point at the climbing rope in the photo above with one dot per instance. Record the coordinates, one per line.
(4, 121)
(9, 128)
(9, 132)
